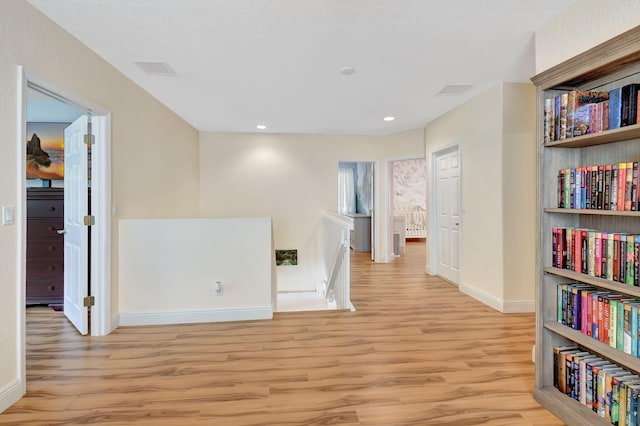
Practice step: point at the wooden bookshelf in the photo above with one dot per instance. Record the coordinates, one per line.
(610, 65)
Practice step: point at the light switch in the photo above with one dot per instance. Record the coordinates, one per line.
(8, 215)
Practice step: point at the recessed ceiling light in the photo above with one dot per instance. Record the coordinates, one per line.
(156, 68)
(389, 118)
(261, 127)
(347, 70)
(455, 89)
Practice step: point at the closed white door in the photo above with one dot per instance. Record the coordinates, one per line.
(447, 190)
(76, 237)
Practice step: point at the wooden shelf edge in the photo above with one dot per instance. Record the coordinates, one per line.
(592, 64)
(608, 136)
(565, 408)
(622, 213)
(623, 359)
(599, 282)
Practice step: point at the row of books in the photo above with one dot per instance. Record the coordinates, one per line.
(600, 385)
(606, 316)
(578, 113)
(608, 255)
(600, 187)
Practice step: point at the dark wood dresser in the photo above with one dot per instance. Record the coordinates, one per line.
(45, 247)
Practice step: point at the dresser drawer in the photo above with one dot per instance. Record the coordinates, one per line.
(45, 247)
(38, 228)
(45, 208)
(37, 289)
(46, 268)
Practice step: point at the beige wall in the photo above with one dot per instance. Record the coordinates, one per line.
(582, 26)
(405, 145)
(154, 153)
(179, 261)
(291, 178)
(519, 193)
(495, 132)
(476, 127)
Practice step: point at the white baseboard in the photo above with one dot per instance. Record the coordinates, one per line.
(504, 306)
(11, 393)
(518, 306)
(217, 315)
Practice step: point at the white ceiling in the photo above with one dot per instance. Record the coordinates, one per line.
(240, 63)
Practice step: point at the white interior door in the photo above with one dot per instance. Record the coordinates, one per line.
(76, 233)
(448, 214)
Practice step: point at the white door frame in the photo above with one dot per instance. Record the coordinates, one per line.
(101, 321)
(432, 234)
(378, 246)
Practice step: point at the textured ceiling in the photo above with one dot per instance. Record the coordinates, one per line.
(240, 63)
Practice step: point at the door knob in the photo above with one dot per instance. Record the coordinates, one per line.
(61, 231)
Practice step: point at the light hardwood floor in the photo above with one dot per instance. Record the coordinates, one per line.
(416, 352)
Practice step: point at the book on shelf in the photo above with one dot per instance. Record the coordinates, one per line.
(612, 412)
(615, 108)
(612, 256)
(578, 113)
(604, 315)
(599, 187)
(623, 398)
(633, 393)
(629, 104)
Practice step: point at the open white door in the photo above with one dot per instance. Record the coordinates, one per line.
(76, 238)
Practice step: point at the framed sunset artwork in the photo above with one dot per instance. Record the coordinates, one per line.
(45, 150)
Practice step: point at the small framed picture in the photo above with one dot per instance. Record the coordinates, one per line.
(286, 257)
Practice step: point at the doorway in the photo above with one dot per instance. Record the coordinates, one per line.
(445, 224)
(99, 245)
(408, 203)
(356, 200)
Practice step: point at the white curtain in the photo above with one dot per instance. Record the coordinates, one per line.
(346, 191)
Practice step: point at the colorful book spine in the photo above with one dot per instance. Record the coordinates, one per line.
(597, 267)
(610, 252)
(629, 103)
(629, 264)
(615, 108)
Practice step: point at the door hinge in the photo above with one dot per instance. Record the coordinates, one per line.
(89, 139)
(89, 220)
(89, 301)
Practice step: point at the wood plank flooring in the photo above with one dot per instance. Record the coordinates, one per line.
(416, 352)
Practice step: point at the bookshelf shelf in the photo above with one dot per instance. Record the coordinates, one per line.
(594, 345)
(563, 406)
(611, 65)
(597, 282)
(621, 213)
(609, 136)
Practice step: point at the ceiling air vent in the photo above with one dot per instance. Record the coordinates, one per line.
(455, 89)
(156, 68)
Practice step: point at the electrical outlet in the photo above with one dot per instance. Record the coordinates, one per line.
(217, 288)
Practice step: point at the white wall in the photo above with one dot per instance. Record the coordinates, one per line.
(169, 267)
(154, 156)
(496, 133)
(293, 179)
(582, 26)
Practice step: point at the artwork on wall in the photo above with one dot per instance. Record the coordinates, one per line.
(45, 150)
(286, 257)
